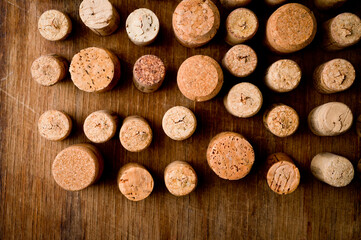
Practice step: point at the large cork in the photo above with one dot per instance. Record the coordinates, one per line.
(329, 4)
(180, 178)
(54, 125)
(100, 126)
(234, 3)
(54, 25)
(275, 2)
(241, 60)
(281, 120)
(135, 134)
(49, 69)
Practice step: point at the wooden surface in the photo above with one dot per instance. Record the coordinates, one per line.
(34, 207)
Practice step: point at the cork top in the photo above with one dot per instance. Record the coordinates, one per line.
(338, 74)
(281, 120)
(135, 134)
(240, 60)
(47, 70)
(242, 24)
(54, 25)
(100, 126)
(283, 75)
(149, 70)
(54, 125)
(180, 178)
(142, 25)
(345, 29)
(96, 14)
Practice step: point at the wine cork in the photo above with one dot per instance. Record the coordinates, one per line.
(148, 73)
(275, 2)
(142, 26)
(234, 3)
(290, 28)
(281, 120)
(100, 16)
(283, 76)
(240, 60)
(243, 100)
(100, 126)
(330, 119)
(135, 182)
(283, 177)
(241, 25)
(54, 125)
(95, 70)
(230, 155)
(328, 4)
(200, 78)
(195, 22)
(49, 69)
(54, 25)
(342, 31)
(179, 123)
(332, 169)
(180, 178)
(135, 134)
(77, 167)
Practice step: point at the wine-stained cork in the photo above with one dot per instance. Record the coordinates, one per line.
(54, 125)
(281, 120)
(234, 3)
(230, 155)
(332, 169)
(275, 2)
(240, 60)
(49, 69)
(243, 100)
(95, 70)
(100, 126)
(330, 119)
(100, 16)
(180, 178)
(200, 78)
(328, 4)
(283, 76)
(135, 134)
(148, 73)
(135, 182)
(290, 28)
(54, 25)
(77, 167)
(195, 22)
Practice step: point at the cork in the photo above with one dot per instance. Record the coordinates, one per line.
(195, 22)
(330, 119)
(234, 3)
(342, 31)
(200, 78)
(49, 69)
(283, 177)
(283, 76)
(329, 4)
(230, 155)
(281, 120)
(275, 2)
(148, 73)
(180, 178)
(241, 25)
(95, 70)
(100, 126)
(77, 167)
(240, 60)
(135, 182)
(54, 25)
(54, 125)
(244, 100)
(290, 28)
(142, 26)
(99, 16)
(179, 123)
(332, 169)
(135, 134)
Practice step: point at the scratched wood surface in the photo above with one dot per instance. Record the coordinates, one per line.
(32, 206)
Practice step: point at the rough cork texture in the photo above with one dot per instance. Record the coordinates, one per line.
(281, 120)
(275, 2)
(95, 70)
(54, 25)
(240, 60)
(358, 126)
(195, 22)
(180, 178)
(54, 125)
(135, 134)
(200, 78)
(100, 126)
(49, 69)
(230, 155)
(234, 3)
(328, 4)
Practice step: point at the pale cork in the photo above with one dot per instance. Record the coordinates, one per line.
(135, 134)
(329, 4)
(49, 69)
(54, 125)
(241, 60)
(54, 25)
(275, 2)
(234, 3)
(100, 126)
(180, 178)
(281, 120)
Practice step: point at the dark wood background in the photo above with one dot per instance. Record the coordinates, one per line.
(32, 206)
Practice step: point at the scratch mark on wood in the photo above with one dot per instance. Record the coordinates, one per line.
(18, 101)
(6, 77)
(17, 6)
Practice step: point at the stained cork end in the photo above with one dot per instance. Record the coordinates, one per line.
(135, 134)
(54, 25)
(180, 178)
(241, 60)
(54, 125)
(100, 126)
(48, 70)
(281, 120)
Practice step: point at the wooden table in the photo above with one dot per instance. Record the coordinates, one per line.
(34, 207)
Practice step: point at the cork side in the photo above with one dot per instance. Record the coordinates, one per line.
(54, 125)
(241, 60)
(54, 25)
(283, 76)
(100, 126)
(281, 120)
(180, 178)
(335, 118)
(49, 69)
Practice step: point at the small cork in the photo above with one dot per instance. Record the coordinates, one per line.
(95, 70)
(135, 182)
(332, 169)
(234, 3)
(281, 120)
(49, 69)
(200, 78)
(135, 134)
(100, 16)
(179, 123)
(100, 126)
(230, 155)
(358, 126)
(290, 28)
(54, 125)
(77, 167)
(283, 76)
(240, 60)
(195, 22)
(328, 4)
(275, 2)
(180, 178)
(148, 73)
(243, 100)
(283, 177)
(54, 25)
(330, 119)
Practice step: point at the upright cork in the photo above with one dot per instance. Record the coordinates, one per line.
(234, 3)
(54, 125)
(230, 155)
(100, 126)
(281, 120)
(49, 69)
(275, 2)
(135, 134)
(241, 60)
(329, 4)
(54, 25)
(180, 178)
